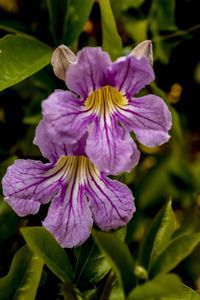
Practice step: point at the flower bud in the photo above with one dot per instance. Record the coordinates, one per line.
(62, 57)
(144, 49)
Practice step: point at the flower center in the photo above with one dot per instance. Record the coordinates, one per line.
(105, 101)
(73, 168)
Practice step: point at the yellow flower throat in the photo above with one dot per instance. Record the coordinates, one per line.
(105, 101)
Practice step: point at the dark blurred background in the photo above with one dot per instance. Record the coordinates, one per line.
(172, 170)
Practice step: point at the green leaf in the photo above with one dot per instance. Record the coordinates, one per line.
(119, 6)
(23, 278)
(162, 14)
(119, 258)
(158, 235)
(155, 183)
(111, 40)
(116, 293)
(91, 263)
(131, 3)
(178, 249)
(77, 15)
(186, 293)
(162, 50)
(32, 120)
(164, 233)
(160, 286)
(44, 245)
(70, 292)
(136, 28)
(58, 18)
(20, 57)
(162, 17)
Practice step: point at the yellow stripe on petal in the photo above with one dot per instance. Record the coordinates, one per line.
(105, 101)
(72, 168)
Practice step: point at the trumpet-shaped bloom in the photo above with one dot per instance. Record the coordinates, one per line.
(101, 103)
(78, 191)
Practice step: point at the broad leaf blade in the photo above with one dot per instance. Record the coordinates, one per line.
(109, 30)
(20, 57)
(164, 233)
(91, 263)
(23, 278)
(186, 293)
(58, 18)
(119, 258)
(158, 235)
(45, 246)
(160, 286)
(77, 15)
(177, 250)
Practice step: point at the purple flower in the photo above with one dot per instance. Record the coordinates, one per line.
(101, 102)
(78, 191)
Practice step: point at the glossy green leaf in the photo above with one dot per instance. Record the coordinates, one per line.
(45, 246)
(77, 15)
(186, 293)
(166, 229)
(58, 18)
(119, 258)
(160, 286)
(109, 30)
(177, 250)
(70, 292)
(91, 263)
(20, 57)
(23, 278)
(116, 292)
(158, 235)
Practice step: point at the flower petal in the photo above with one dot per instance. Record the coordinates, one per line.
(26, 185)
(87, 74)
(65, 116)
(48, 148)
(130, 74)
(149, 118)
(69, 218)
(110, 147)
(53, 151)
(111, 202)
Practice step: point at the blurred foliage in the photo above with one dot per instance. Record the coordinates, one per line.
(164, 234)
